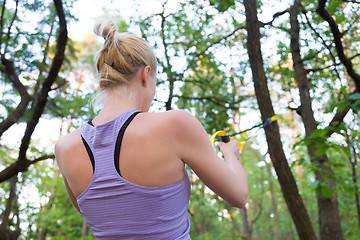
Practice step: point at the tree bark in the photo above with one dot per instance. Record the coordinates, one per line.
(85, 231)
(10, 202)
(356, 189)
(6, 233)
(346, 61)
(8, 69)
(329, 219)
(353, 163)
(245, 223)
(168, 66)
(286, 179)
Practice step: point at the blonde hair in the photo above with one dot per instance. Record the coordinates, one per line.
(121, 56)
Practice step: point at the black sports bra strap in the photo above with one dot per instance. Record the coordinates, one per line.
(119, 140)
(91, 155)
(90, 123)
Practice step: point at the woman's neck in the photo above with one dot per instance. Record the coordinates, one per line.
(116, 102)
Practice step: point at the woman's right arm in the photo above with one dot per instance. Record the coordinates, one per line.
(226, 178)
(63, 152)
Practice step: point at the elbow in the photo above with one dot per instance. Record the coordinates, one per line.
(240, 202)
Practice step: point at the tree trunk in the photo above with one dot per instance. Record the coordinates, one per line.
(85, 229)
(6, 233)
(167, 69)
(286, 179)
(353, 162)
(245, 223)
(273, 202)
(356, 189)
(329, 219)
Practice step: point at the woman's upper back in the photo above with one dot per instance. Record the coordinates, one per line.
(149, 158)
(150, 196)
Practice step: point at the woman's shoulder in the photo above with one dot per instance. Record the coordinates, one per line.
(178, 114)
(67, 144)
(173, 120)
(174, 123)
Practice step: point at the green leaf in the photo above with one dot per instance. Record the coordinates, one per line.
(321, 150)
(325, 191)
(319, 133)
(355, 96)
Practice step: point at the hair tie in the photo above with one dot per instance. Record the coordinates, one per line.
(113, 67)
(107, 40)
(109, 64)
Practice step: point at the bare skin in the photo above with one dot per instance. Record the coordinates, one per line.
(155, 148)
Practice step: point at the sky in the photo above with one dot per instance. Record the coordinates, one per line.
(89, 11)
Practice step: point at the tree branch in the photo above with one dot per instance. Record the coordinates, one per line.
(9, 204)
(329, 66)
(319, 68)
(9, 28)
(215, 100)
(276, 15)
(9, 70)
(44, 157)
(338, 44)
(219, 40)
(41, 100)
(22, 162)
(45, 53)
(339, 117)
(2, 21)
(355, 56)
(168, 66)
(18, 166)
(14, 116)
(323, 41)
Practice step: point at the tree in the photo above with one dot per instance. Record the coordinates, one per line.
(328, 205)
(27, 76)
(286, 179)
(204, 83)
(317, 137)
(19, 65)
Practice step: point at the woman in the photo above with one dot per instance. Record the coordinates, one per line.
(124, 171)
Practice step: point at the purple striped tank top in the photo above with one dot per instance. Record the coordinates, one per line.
(117, 209)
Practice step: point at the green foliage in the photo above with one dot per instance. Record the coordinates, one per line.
(28, 46)
(56, 215)
(206, 86)
(194, 43)
(222, 5)
(72, 106)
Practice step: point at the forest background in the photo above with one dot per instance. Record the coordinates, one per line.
(232, 64)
